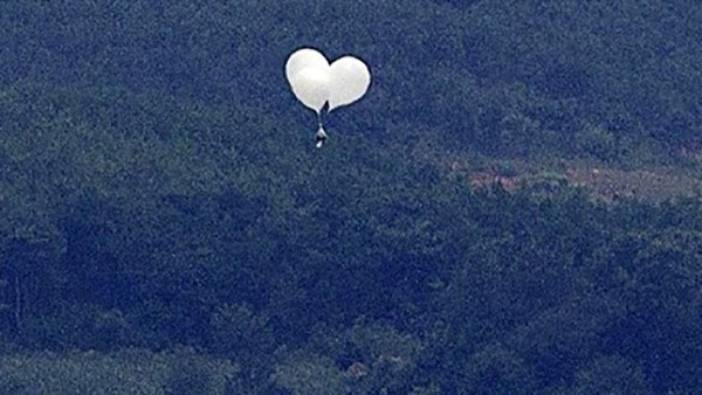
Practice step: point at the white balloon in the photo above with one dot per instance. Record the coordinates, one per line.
(350, 79)
(315, 82)
(305, 57)
(311, 86)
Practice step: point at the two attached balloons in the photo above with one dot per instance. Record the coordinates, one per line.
(315, 82)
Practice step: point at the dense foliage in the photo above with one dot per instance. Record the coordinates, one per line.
(167, 226)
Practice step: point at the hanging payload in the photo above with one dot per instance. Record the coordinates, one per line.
(319, 85)
(320, 137)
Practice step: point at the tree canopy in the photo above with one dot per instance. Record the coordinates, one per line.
(164, 213)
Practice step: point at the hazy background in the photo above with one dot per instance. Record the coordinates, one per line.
(512, 208)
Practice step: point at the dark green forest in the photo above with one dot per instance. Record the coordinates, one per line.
(167, 226)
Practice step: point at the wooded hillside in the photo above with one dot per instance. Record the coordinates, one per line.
(167, 226)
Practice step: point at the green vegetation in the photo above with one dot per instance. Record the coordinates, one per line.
(130, 371)
(167, 226)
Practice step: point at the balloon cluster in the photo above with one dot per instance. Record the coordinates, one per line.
(316, 82)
